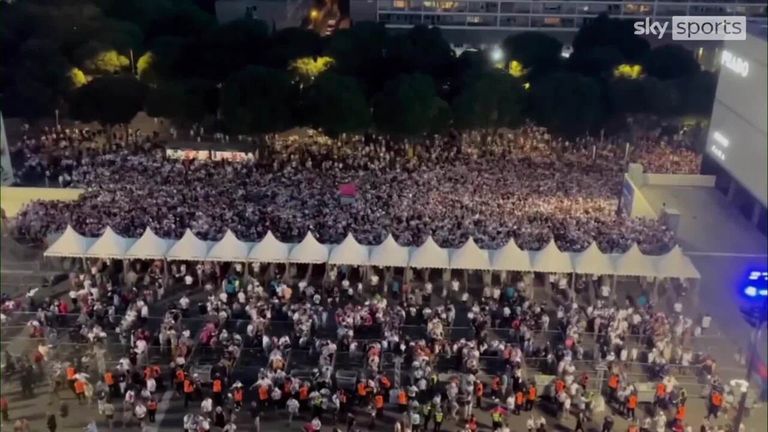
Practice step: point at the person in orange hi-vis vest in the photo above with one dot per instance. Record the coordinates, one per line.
(217, 387)
(71, 372)
(264, 396)
(402, 400)
(715, 402)
(661, 395)
(238, 394)
(519, 401)
(303, 395)
(531, 397)
(631, 405)
(633, 428)
(680, 412)
(378, 402)
(179, 381)
(479, 390)
(362, 393)
(80, 390)
(613, 387)
(109, 380)
(189, 390)
(496, 387)
(559, 386)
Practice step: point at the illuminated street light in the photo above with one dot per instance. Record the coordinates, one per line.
(497, 55)
(313, 14)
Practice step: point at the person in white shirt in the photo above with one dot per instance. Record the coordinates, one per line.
(293, 409)
(140, 411)
(206, 406)
(188, 280)
(151, 385)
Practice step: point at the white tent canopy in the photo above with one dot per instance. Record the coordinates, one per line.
(309, 251)
(633, 263)
(110, 245)
(269, 249)
(592, 261)
(229, 248)
(470, 257)
(675, 264)
(389, 254)
(510, 257)
(349, 252)
(190, 248)
(429, 255)
(70, 244)
(551, 260)
(149, 246)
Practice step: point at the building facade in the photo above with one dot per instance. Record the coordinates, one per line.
(537, 14)
(737, 142)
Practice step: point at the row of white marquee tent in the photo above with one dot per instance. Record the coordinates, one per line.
(388, 254)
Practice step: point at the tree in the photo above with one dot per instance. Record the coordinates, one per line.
(40, 60)
(99, 59)
(491, 101)
(598, 61)
(469, 66)
(698, 93)
(663, 97)
(336, 104)
(167, 100)
(611, 32)
(109, 100)
(225, 50)
(627, 96)
(421, 49)
(408, 105)
(567, 103)
(309, 68)
(671, 61)
(536, 51)
(289, 44)
(163, 61)
(258, 100)
(181, 21)
(359, 50)
(28, 99)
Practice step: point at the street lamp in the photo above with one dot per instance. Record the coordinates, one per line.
(497, 55)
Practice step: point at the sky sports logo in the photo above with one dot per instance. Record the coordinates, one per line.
(695, 28)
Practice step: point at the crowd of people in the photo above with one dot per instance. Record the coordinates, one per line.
(523, 184)
(410, 369)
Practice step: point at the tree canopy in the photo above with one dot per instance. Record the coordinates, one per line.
(336, 104)
(408, 105)
(258, 100)
(493, 100)
(567, 103)
(109, 100)
(248, 77)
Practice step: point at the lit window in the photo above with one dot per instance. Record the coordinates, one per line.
(474, 19)
(553, 21)
(399, 4)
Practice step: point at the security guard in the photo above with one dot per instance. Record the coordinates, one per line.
(438, 419)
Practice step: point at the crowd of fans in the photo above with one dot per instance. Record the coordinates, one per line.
(368, 325)
(522, 184)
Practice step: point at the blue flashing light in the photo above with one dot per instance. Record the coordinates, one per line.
(756, 285)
